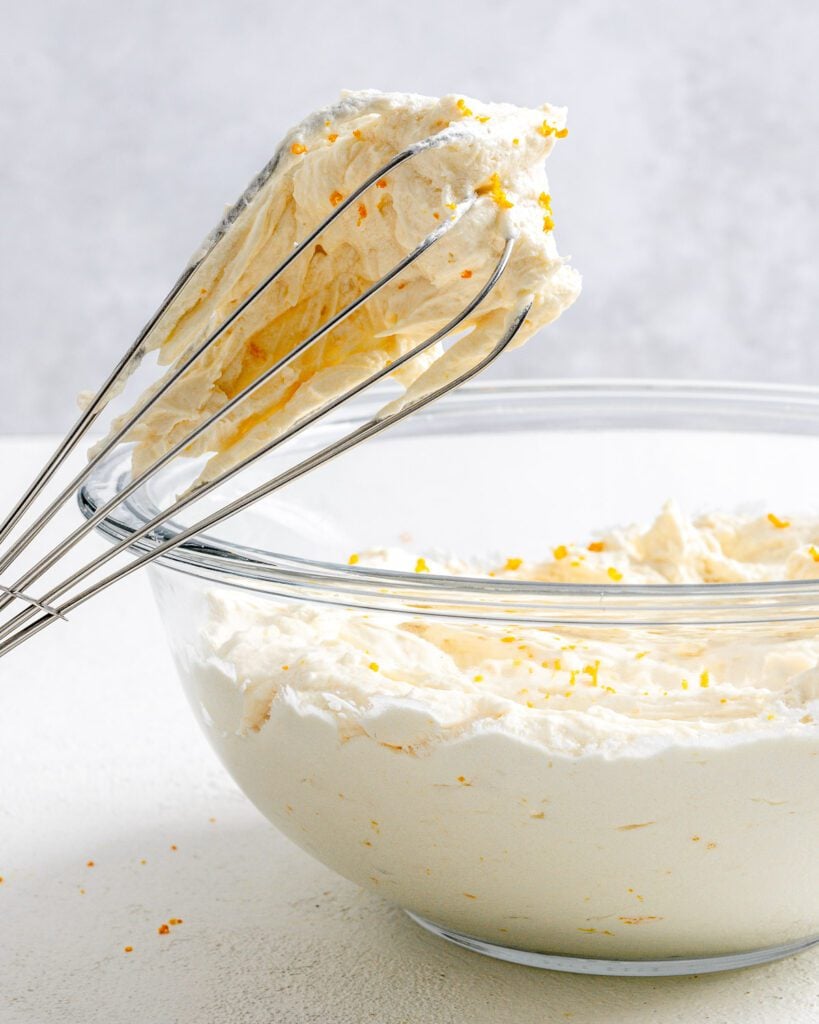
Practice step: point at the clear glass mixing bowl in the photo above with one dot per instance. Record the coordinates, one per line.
(573, 834)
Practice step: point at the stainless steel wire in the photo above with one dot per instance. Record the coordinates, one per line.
(24, 624)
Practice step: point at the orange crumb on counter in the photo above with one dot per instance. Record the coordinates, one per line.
(466, 274)
(298, 148)
(127, 949)
(90, 864)
(780, 524)
(561, 133)
(163, 929)
(332, 137)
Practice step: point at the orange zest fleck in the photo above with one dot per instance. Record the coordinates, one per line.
(298, 148)
(127, 949)
(335, 198)
(362, 214)
(614, 574)
(89, 864)
(597, 545)
(466, 274)
(513, 564)
(332, 137)
(464, 109)
(548, 223)
(353, 559)
(496, 192)
(561, 133)
(780, 524)
(381, 183)
(561, 551)
(545, 200)
(545, 129)
(163, 929)
(357, 133)
(173, 921)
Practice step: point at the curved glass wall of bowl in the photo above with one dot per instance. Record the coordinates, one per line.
(535, 843)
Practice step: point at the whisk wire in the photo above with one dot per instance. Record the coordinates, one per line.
(100, 399)
(195, 495)
(357, 436)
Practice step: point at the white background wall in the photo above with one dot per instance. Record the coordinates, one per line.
(687, 192)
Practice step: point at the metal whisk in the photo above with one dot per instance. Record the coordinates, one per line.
(37, 612)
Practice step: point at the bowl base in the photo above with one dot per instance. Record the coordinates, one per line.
(616, 968)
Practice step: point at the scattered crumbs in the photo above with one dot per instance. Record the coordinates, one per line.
(780, 524)
(353, 559)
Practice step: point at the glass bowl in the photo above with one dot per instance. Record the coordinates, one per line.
(647, 832)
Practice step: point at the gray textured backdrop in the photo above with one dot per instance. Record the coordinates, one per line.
(686, 193)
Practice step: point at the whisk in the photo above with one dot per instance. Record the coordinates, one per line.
(56, 602)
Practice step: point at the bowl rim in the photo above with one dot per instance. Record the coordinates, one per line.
(335, 582)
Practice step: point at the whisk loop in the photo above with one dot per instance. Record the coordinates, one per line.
(24, 625)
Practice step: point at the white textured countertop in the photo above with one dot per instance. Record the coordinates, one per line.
(100, 760)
